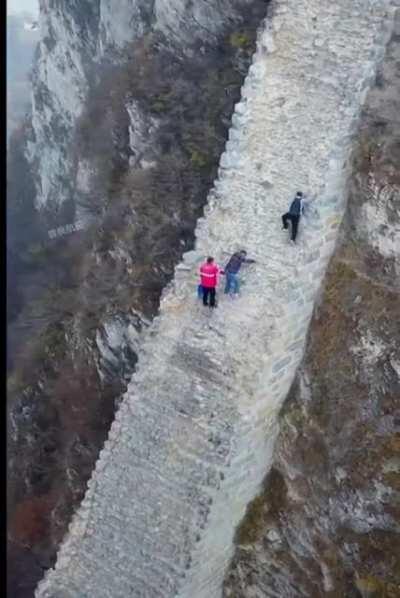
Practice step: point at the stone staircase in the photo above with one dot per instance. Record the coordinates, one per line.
(194, 436)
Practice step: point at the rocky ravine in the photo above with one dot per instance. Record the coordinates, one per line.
(199, 418)
(328, 520)
(143, 153)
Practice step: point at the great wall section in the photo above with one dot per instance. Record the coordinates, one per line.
(193, 438)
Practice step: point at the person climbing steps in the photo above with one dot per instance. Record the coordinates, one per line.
(293, 215)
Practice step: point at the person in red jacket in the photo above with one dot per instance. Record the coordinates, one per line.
(209, 272)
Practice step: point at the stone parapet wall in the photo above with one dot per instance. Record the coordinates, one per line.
(194, 436)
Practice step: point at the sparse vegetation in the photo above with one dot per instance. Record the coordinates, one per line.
(147, 218)
(240, 39)
(264, 507)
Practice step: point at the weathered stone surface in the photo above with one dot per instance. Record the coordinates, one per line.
(327, 521)
(194, 435)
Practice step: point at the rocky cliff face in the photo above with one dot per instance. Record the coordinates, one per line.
(327, 522)
(109, 130)
(75, 39)
(21, 43)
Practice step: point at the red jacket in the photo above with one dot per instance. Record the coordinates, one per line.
(209, 275)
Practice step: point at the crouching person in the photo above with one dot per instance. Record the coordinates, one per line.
(232, 270)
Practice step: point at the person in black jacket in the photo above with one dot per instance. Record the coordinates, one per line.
(231, 271)
(293, 215)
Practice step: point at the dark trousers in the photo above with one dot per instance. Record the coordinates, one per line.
(207, 292)
(295, 223)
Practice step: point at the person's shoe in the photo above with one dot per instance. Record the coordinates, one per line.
(292, 242)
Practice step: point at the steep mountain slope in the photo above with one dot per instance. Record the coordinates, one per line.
(21, 43)
(78, 37)
(116, 141)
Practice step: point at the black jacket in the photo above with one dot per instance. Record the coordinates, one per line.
(235, 263)
(296, 207)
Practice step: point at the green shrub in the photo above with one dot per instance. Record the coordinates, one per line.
(198, 159)
(240, 39)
